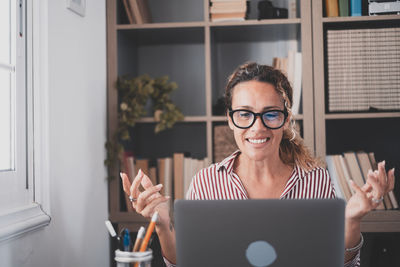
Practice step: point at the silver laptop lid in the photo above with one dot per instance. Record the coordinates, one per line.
(260, 232)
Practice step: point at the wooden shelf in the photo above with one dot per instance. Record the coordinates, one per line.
(381, 221)
(161, 25)
(206, 23)
(186, 119)
(337, 116)
(360, 18)
(254, 22)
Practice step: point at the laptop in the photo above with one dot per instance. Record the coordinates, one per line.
(267, 232)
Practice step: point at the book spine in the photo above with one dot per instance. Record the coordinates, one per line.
(355, 8)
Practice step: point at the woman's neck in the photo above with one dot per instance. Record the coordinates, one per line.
(266, 170)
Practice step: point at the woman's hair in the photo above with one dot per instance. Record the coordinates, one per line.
(292, 149)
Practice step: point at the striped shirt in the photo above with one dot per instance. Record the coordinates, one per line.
(219, 181)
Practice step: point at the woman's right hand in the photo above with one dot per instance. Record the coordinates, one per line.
(148, 201)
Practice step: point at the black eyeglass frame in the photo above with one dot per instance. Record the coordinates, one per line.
(285, 114)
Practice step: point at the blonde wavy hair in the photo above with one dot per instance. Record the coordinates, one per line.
(292, 150)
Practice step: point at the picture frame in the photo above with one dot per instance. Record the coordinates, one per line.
(77, 6)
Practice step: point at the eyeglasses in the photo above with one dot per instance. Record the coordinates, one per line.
(272, 119)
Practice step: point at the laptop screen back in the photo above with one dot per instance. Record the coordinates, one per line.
(260, 232)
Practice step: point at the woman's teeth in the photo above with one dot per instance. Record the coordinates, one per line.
(258, 141)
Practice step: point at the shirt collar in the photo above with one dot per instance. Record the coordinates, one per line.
(227, 163)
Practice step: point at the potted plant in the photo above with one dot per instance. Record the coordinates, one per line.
(134, 93)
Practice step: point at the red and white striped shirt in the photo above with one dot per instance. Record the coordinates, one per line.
(218, 181)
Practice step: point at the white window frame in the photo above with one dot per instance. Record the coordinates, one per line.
(36, 214)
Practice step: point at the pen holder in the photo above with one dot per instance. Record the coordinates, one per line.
(126, 258)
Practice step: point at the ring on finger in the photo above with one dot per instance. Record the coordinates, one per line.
(132, 199)
(377, 201)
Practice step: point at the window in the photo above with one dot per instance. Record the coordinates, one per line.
(18, 179)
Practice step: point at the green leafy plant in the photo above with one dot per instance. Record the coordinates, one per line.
(134, 93)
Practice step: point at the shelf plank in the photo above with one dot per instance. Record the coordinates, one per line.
(161, 25)
(360, 18)
(186, 119)
(381, 221)
(337, 116)
(375, 221)
(126, 217)
(254, 22)
(206, 23)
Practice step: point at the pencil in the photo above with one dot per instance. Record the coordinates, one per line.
(139, 239)
(149, 231)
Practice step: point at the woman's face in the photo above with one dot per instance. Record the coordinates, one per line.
(257, 142)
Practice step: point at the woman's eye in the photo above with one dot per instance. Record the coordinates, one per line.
(271, 115)
(244, 114)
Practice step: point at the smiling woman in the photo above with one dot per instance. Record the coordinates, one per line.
(272, 162)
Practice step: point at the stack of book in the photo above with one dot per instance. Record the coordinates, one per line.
(354, 166)
(343, 8)
(137, 11)
(291, 66)
(175, 172)
(363, 69)
(226, 10)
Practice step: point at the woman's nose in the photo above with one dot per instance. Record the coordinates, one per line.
(258, 124)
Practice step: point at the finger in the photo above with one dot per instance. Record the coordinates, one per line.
(382, 172)
(366, 188)
(378, 189)
(134, 189)
(126, 184)
(143, 198)
(146, 182)
(365, 196)
(150, 208)
(391, 180)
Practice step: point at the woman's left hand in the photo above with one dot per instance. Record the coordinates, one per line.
(370, 195)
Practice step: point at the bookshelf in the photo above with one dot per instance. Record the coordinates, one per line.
(199, 55)
(339, 132)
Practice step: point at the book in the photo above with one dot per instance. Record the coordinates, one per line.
(227, 16)
(153, 175)
(161, 173)
(354, 168)
(144, 11)
(128, 12)
(343, 182)
(344, 8)
(393, 200)
(168, 178)
(133, 4)
(143, 164)
(227, 5)
(365, 166)
(239, 9)
(178, 175)
(297, 83)
(355, 8)
(334, 176)
(128, 167)
(346, 173)
(332, 8)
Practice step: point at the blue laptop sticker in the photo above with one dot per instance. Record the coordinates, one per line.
(260, 253)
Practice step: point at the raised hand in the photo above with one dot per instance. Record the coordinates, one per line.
(148, 201)
(370, 195)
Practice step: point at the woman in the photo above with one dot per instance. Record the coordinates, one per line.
(272, 162)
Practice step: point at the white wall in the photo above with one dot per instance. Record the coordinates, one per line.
(76, 235)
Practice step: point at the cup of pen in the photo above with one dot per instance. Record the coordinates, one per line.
(139, 259)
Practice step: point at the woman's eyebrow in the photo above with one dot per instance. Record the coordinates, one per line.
(265, 108)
